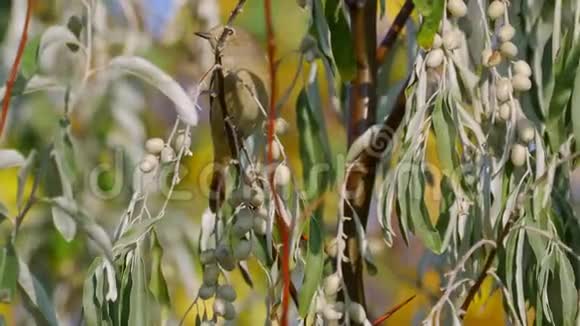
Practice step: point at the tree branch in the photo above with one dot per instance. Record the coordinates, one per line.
(363, 115)
(395, 29)
(282, 227)
(14, 72)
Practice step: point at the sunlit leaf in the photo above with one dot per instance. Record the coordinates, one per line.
(65, 224)
(312, 156)
(432, 12)
(10, 158)
(153, 75)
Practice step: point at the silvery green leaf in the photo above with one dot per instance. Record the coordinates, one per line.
(8, 273)
(23, 176)
(64, 223)
(153, 75)
(37, 299)
(90, 308)
(568, 290)
(135, 232)
(10, 158)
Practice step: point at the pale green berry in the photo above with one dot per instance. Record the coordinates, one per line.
(519, 154)
(154, 145)
(496, 9)
(508, 49)
(522, 68)
(506, 33)
(456, 8)
(521, 83)
(434, 58)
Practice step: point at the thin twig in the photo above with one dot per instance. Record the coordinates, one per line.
(486, 266)
(391, 311)
(395, 29)
(14, 72)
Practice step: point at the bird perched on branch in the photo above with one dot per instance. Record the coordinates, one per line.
(245, 74)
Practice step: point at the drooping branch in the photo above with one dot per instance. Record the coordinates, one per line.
(14, 71)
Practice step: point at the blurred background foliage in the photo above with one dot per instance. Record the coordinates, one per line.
(164, 33)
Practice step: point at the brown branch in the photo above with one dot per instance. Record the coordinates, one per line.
(483, 274)
(363, 115)
(14, 72)
(395, 29)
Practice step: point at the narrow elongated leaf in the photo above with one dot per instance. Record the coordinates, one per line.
(23, 176)
(312, 156)
(64, 223)
(569, 291)
(157, 283)
(90, 305)
(421, 222)
(565, 69)
(10, 158)
(446, 136)
(37, 299)
(135, 232)
(432, 12)
(29, 59)
(341, 39)
(8, 273)
(153, 75)
(576, 108)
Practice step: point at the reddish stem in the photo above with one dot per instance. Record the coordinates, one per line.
(282, 228)
(389, 313)
(14, 72)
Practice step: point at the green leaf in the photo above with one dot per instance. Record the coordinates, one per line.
(157, 283)
(135, 233)
(341, 39)
(23, 176)
(312, 156)
(565, 68)
(446, 135)
(142, 307)
(432, 12)
(37, 300)
(576, 109)
(91, 306)
(568, 290)
(421, 222)
(29, 65)
(8, 273)
(64, 223)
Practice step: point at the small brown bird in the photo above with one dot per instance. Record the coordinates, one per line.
(244, 66)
